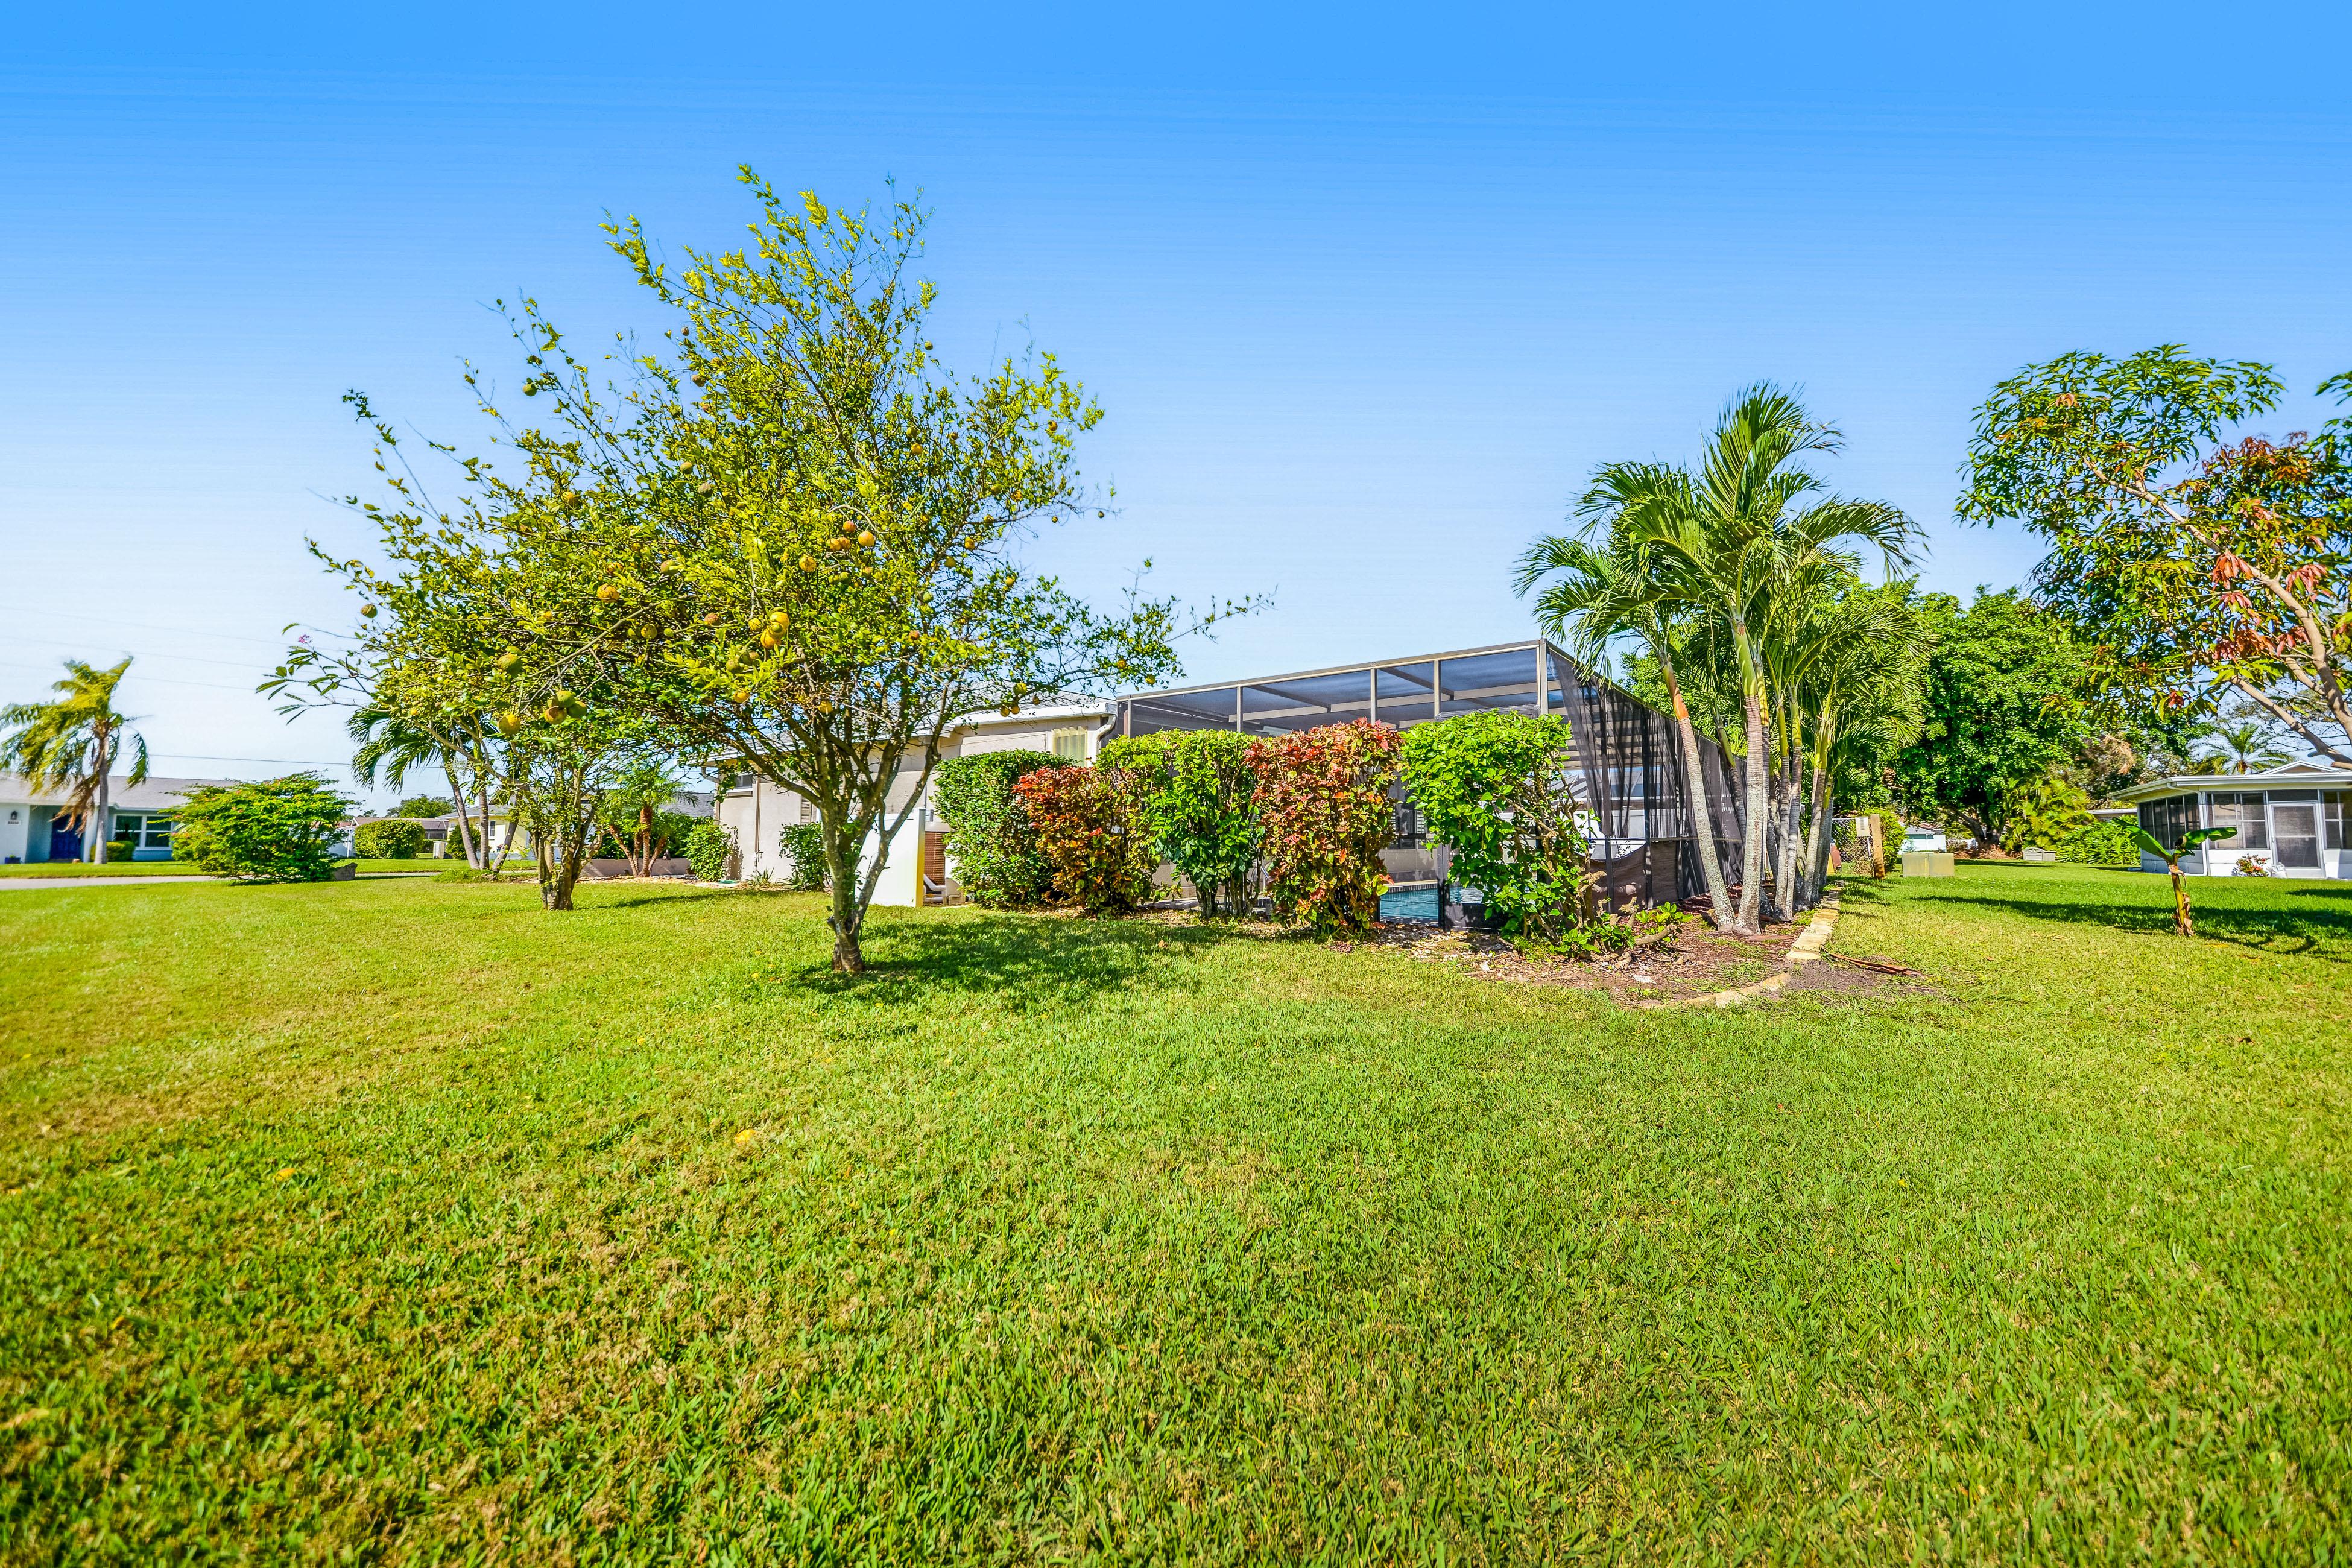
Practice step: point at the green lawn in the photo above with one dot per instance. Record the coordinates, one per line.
(48, 868)
(400, 1220)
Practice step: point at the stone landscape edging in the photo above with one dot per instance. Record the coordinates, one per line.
(1806, 949)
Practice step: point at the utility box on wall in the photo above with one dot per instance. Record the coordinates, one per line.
(1927, 863)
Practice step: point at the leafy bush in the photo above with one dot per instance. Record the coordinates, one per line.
(1499, 789)
(2100, 844)
(710, 849)
(998, 859)
(1090, 824)
(1197, 800)
(280, 830)
(1323, 797)
(117, 849)
(393, 839)
(2251, 866)
(802, 843)
(420, 806)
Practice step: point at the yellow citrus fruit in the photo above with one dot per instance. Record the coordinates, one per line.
(808, 562)
(865, 536)
(608, 593)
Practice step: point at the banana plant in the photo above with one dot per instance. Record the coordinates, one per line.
(2194, 839)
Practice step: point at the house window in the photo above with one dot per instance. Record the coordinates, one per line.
(2335, 822)
(2168, 820)
(2244, 812)
(1070, 745)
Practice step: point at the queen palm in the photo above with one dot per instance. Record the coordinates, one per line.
(73, 743)
(1729, 544)
(388, 743)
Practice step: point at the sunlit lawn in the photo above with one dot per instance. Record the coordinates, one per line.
(402, 1220)
(76, 869)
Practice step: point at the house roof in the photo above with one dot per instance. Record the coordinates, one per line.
(2296, 775)
(155, 794)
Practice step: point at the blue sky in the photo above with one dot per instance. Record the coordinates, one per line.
(1364, 294)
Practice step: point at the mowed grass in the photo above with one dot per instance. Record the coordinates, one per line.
(402, 1221)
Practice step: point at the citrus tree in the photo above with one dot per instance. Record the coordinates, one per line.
(792, 538)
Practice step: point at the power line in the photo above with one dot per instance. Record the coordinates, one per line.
(151, 625)
(135, 653)
(168, 680)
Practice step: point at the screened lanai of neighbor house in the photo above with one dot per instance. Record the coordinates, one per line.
(1633, 777)
(2289, 821)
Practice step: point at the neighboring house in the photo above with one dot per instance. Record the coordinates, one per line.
(2290, 819)
(1924, 837)
(140, 813)
(757, 811)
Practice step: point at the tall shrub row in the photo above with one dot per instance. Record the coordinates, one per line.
(1196, 789)
(998, 859)
(1091, 825)
(1322, 799)
(1499, 789)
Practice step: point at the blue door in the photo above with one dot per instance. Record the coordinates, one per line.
(65, 843)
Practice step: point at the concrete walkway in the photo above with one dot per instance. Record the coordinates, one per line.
(19, 884)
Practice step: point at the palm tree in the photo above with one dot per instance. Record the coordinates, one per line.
(1737, 543)
(644, 788)
(2245, 747)
(73, 743)
(1598, 592)
(387, 741)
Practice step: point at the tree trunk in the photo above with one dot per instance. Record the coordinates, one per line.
(640, 861)
(847, 919)
(93, 840)
(1710, 864)
(465, 815)
(1817, 840)
(1752, 825)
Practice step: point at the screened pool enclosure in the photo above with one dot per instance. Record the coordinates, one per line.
(1642, 823)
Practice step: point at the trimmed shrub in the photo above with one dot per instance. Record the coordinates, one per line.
(998, 858)
(1499, 789)
(393, 839)
(1323, 797)
(2101, 843)
(803, 849)
(1198, 797)
(1089, 822)
(709, 850)
(281, 830)
(117, 849)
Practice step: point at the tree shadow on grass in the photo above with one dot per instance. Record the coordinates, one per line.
(1027, 962)
(2322, 933)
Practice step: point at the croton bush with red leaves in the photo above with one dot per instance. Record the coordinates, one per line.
(1090, 824)
(1323, 798)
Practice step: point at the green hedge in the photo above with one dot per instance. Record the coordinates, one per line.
(708, 850)
(803, 845)
(393, 839)
(998, 859)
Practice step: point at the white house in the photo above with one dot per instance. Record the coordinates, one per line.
(917, 870)
(140, 813)
(2290, 820)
